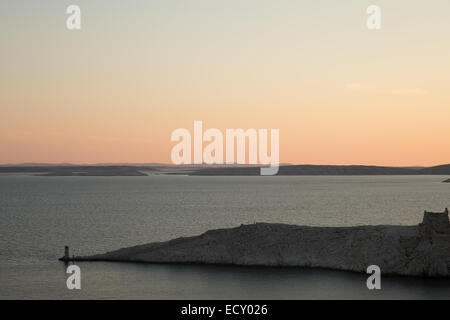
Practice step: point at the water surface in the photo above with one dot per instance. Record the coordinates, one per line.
(39, 215)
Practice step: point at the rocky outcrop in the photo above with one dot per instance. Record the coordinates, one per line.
(422, 250)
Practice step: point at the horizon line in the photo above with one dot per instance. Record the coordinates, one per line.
(201, 164)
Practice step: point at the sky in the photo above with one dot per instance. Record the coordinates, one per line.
(115, 90)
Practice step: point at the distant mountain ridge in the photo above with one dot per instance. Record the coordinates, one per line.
(217, 170)
(321, 170)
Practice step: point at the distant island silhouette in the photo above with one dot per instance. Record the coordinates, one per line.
(323, 170)
(221, 170)
(52, 171)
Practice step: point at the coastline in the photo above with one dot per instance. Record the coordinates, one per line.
(421, 250)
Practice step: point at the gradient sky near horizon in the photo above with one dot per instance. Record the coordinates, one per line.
(139, 69)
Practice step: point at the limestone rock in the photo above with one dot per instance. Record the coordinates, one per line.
(422, 250)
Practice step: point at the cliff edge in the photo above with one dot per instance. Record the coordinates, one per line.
(422, 250)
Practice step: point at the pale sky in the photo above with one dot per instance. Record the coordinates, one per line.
(137, 70)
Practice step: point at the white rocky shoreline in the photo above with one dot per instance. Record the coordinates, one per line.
(422, 250)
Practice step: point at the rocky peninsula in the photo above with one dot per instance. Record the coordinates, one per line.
(422, 250)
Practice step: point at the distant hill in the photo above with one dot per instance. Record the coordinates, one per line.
(321, 170)
(442, 169)
(285, 170)
(79, 170)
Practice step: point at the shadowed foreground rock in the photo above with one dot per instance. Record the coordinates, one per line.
(422, 250)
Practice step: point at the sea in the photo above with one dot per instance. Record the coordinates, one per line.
(40, 215)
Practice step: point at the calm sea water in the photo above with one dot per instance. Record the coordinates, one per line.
(39, 215)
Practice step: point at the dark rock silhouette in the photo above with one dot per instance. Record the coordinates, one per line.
(69, 170)
(320, 170)
(133, 170)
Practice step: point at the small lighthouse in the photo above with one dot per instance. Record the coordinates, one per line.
(66, 252)
(66, 256)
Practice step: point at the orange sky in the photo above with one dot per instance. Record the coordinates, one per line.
(115, 90)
